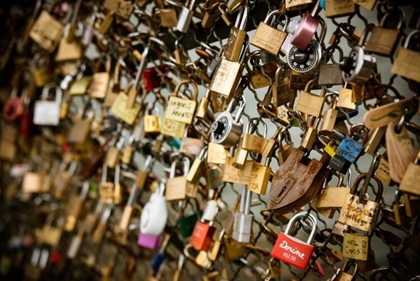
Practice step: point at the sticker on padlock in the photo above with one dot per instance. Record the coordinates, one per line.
(294, 251)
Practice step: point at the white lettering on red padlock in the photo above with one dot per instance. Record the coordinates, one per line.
(292, 250)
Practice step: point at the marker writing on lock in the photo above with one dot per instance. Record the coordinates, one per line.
(179, 105)
(293, 251)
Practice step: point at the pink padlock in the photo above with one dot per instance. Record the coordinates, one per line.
(292, 250)
(148, 241)
(305, 29)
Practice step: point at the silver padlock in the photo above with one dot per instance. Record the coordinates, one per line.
(48, 112)
(306, 60)
(242, 226)
(227, 128)
(185, 17)
(358, 67)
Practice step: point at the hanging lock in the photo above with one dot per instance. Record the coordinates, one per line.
(407, 59)
(358, 67)
(384, 40)
(291, 250)
(237, 35)
(228, 73)
(73, 207)
(358, 211)
(227, 128)
(330, 74)
(110, 192)
(185, 17)
(305, 29)
(268, 38)
(155, 214)
(48, 112)
(176, 186)
(305, 60)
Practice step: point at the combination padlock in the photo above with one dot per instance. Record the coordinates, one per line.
(227, 128)
(307, 59)
(358, 67)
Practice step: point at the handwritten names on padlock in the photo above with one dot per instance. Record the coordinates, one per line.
(349, 149)
(47, 31)
(180, 110)
(358, 215)
(355, 246)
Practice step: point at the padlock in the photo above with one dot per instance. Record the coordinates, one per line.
(152, 122)
(269, 38)
(159, 256)
(297, 4)
(242, 227)
(63, 178)
(179, 109)
(38, 262)
(307, 59)
(48, 112)
(339, 163)
(202, 235)
(343, 273)
(253, 142)
(291, 250)
(289, 190)
(226, 78)
(168, 17)
(79, 132)
(284, 149)
(227, 128)
(330, 74)
(187, 222)
(358, 67)
(113, 153)
(185, 17)
(236, 39)
(384, 40)
(334, 8)
(260, 176)
(349, 148)
(128, 209)
(40, 68)
(74, 206)
(47, 31)
(196, 170)
(143, 172)
(305, 29)
(110, 192)
(280, 89)
(120, 109)
(32, 182)
(358, 211)
(51, 234)
(155, 214)
(152, 77)
(406, 60)
(233, 249)
(98, 88)
(330, 116)
(310, 103)
(345, 99)
(13, 108)
(409, 181)
(176, 186)
(148, 241)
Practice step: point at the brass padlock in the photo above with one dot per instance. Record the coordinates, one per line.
(176, 186)
(384, 40)
(310, 103)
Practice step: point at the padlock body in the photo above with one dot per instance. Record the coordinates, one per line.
(202, 236)
(184, 20)
(148, 241)
(292, 251)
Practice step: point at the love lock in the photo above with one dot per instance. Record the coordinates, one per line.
(294, 251)
(227, 128)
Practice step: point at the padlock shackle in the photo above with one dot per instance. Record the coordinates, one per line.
(312, 220)
(400, 13)
(186, 82)
(408, 38)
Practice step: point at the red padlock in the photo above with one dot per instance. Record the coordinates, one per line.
(152, 78)
(305, 29)
(202, 236)
(294, 251)
(14, 107)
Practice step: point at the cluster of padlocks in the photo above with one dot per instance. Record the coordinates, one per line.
(138, 144)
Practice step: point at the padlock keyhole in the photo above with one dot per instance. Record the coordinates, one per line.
(282, 191)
